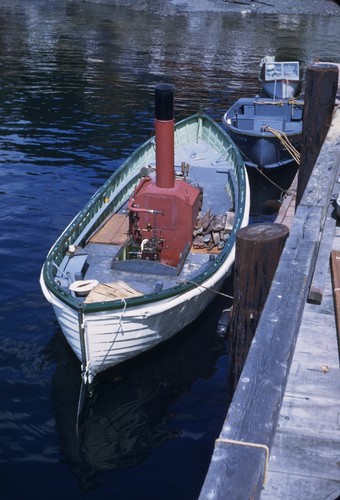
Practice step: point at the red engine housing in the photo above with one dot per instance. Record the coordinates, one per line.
(173, 218)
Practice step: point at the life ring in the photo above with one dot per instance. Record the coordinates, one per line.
(83, 287)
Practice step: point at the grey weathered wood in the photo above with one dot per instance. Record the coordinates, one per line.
(246, 2)
(298, 456)
(306, 449)
(322, 264)
(320, 92)
(258, 250)
(309, 463)
(237, 471)
(319, 488)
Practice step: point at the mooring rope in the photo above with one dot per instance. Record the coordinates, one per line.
(285, 192)
(292, 101)
(119, 330)
(295, 154)
(183, 282)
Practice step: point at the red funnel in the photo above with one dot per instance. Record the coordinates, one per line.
(164, 130)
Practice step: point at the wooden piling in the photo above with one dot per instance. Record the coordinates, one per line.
(320, 93)
(258, 250)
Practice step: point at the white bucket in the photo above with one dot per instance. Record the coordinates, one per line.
(83, 287)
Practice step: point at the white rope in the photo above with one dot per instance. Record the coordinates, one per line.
(119, 329)
(183, 282)
(286, 143)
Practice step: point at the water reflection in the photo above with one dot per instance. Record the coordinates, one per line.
(76, 98)
(133, 408)
(268, 188)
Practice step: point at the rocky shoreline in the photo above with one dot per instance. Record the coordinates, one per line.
(244, 7)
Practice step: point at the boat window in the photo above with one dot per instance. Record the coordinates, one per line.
(282, 70)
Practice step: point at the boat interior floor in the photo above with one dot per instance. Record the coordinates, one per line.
(100, 258)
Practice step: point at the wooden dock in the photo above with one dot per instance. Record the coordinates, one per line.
(305, 455)
(281, 437)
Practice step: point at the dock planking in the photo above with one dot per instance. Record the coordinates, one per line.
(287, 399)
(287, 209)
(305, 456)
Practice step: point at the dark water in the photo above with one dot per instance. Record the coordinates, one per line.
(76, 97)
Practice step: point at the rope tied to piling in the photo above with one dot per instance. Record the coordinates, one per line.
(295, 154)
(251, 445)
(197, 285)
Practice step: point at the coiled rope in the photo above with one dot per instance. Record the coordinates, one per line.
(295, 154)
(291, 101)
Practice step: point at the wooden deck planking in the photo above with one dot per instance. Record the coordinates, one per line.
(113, 231)
(297, 484)
(306, 467)
(305, 456)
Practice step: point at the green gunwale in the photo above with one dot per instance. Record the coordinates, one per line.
(111, 197)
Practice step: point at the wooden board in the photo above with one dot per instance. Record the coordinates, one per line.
(106, 292)
(214, 250)
(113, 231)
(307, 441)
(321, 267)
(287, 210)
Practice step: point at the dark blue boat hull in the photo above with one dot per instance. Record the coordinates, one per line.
(254, 124)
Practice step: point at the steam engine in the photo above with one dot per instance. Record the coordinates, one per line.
(163, 212)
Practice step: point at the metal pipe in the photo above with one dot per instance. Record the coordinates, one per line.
(164, 127)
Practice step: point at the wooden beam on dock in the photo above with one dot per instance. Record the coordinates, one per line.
(321, 266)
(287, 210)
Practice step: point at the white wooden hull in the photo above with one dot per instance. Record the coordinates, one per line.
(109, 338)
(107, 331)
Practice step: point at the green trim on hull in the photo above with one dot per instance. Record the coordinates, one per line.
(113, 195)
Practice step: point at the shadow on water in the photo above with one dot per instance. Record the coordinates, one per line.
(268, 188)
(133, 408)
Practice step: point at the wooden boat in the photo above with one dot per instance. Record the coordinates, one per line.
(267, 132)
(280, 80)
(148, 252)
